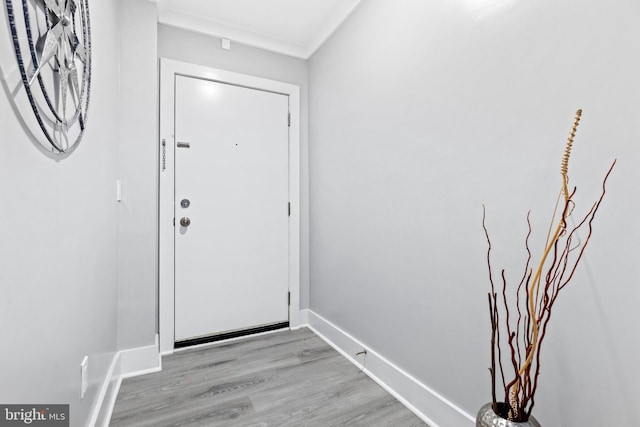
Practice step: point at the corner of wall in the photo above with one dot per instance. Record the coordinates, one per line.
(126, 364)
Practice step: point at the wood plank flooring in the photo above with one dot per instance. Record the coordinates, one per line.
(289, 378)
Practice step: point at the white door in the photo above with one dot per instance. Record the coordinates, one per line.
(231, 182)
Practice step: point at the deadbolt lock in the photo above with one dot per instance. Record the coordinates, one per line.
(185, 222)
(185, 203)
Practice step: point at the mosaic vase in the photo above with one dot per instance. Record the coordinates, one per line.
(487, 418)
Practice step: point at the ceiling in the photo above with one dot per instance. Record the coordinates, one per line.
(292, 27)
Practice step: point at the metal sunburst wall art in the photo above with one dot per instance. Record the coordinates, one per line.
(52, 42)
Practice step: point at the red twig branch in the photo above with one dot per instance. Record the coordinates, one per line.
(535, 296)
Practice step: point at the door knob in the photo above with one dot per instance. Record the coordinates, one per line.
(185, 222)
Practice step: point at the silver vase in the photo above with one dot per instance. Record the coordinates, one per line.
(487, 418)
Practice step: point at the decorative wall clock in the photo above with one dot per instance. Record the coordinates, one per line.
(52, 42)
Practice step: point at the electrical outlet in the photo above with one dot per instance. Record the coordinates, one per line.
(84, 376)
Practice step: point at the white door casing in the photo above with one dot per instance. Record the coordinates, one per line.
(170, 72)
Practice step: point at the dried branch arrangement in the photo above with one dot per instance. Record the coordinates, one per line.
(527, 313)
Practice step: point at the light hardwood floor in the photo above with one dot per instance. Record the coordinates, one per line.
(289, 378)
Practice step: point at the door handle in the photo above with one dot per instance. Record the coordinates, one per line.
(184, 145)
(185, 222)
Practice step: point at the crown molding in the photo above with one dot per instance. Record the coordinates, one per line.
(343, 11)
(213, 28)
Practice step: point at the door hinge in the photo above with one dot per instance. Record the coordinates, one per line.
(174, 222)
(289, 298)
(289, 119)
(164, 155)
(289, 208)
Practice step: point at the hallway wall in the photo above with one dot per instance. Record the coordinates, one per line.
(138, 171)
(420, 112)
(58, 242)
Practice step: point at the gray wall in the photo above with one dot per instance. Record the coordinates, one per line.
(423, 111)
(199, 49)
(58, 242)
(137, 169)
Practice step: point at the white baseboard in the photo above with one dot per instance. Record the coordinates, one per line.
(125, 364)
(426, 403)
(101, 412)
(140, 361)
(303, 319)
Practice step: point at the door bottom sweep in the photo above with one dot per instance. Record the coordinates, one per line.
(228, 335)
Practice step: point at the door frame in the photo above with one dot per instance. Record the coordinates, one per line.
(169, 69)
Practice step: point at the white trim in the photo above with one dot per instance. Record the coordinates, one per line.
(346, 8)
(220, 30)
(416, 396)
(168, 69)
(125, 364)
(140, 361)
(105, 419)
(304, 319)
(101, 413)
(343, 10)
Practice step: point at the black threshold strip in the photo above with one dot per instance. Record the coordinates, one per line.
(229, 335)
